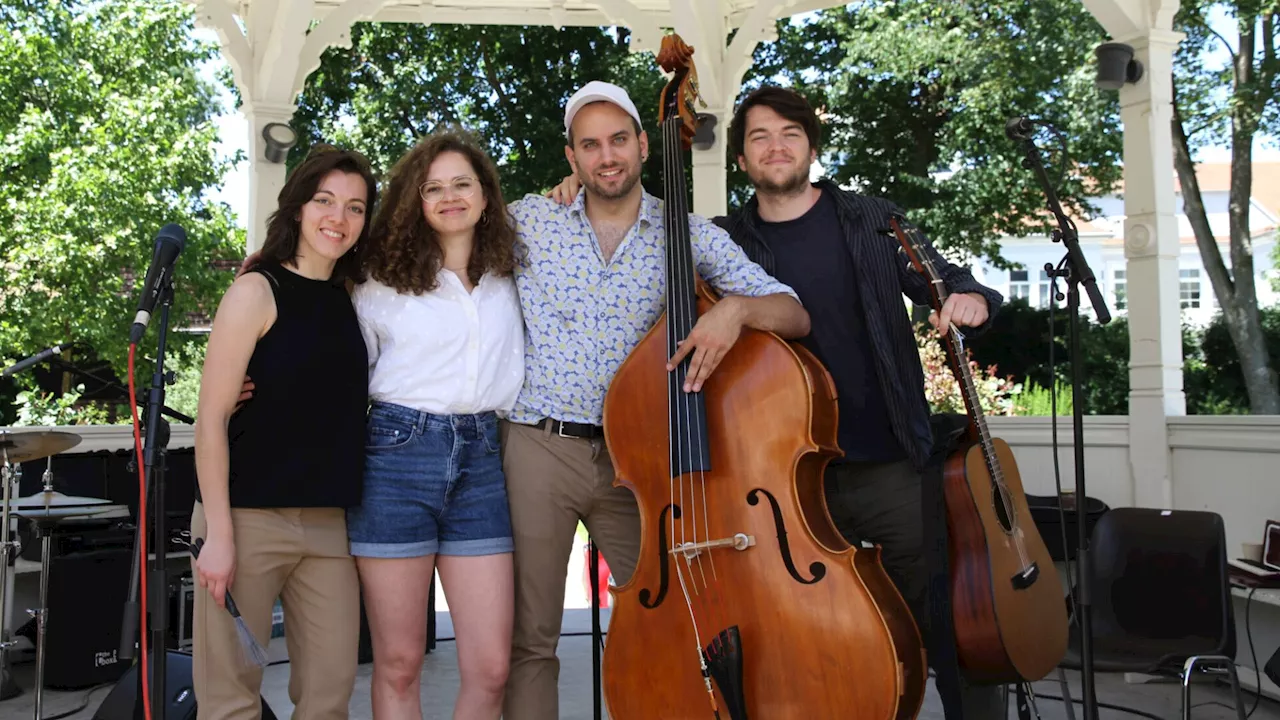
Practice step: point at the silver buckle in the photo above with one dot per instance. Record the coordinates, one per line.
(560, 430)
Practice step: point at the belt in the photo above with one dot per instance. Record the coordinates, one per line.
(584, 431)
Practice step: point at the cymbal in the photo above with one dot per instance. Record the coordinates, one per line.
(55, 499)
(21, 447)
(51, 513)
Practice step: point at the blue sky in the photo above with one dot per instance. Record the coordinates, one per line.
(233, 131)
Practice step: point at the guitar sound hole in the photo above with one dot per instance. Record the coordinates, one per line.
(1003, 507)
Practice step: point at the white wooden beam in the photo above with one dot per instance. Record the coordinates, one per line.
(333, 31)
(1152, 249)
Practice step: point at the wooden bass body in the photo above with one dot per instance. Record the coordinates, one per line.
(819, 629)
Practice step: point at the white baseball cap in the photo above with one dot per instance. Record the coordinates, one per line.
(596, 91)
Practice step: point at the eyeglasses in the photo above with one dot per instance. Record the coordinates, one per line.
(433, 192)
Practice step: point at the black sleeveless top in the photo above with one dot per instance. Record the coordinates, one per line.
(299, 442)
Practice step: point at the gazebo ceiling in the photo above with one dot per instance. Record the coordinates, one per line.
(645, 18)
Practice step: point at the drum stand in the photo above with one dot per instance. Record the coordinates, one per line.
(44, 511)
(10, 477)
(44, 530)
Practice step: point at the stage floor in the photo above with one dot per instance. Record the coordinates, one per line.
(440, 680)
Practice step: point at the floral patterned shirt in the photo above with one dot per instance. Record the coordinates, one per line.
(583, 316)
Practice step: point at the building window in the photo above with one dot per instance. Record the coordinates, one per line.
(1018, 285)
(1044, 289)
(1119, 287)
(1189, 287)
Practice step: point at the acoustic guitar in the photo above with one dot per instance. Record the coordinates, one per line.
(1008, 604)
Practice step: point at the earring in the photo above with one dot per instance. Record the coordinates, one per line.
(484, 218)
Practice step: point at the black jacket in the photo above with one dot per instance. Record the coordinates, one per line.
(884, 275)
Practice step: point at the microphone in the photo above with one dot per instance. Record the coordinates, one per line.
(1018, 128)
(169, 244)
(37, 358)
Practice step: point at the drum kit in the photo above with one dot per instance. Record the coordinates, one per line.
(44, 510)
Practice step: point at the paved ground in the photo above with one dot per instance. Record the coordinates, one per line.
(440, 679)
(439, 683)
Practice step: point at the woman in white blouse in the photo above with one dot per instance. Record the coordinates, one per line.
(442, 324)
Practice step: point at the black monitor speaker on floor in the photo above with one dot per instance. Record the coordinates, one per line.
(121, 702)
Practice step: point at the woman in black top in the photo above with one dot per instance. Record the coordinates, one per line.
(276, 476)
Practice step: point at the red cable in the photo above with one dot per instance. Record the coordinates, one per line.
(142, 525)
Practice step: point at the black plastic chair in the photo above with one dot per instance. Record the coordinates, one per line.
(1161, 599)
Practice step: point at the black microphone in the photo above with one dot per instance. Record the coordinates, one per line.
(1018, 128)
(169, 244)
(37, 358)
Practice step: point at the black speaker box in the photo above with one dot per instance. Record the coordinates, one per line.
(181, 703)
(82, 640)
(1272, 668)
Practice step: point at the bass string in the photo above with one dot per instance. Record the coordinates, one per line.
(682, 307)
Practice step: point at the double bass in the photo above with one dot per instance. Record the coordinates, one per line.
(1007, 601)
(746, 602)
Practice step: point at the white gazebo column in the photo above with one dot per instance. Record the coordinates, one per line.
(265, 178)
(701, 23)
(270, 60)
(710, 183)
(1152, 250)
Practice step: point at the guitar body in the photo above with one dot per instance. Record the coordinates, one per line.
(1003, 634)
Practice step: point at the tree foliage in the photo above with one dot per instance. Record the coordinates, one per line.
(916, 93)
(1232, 102)
(105, 136)
(508, 84)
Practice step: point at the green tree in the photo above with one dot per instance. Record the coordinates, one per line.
(400, 81)
(1235, 103)
(107, 135)
(915, 95)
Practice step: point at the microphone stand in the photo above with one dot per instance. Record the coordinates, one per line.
(155, 453)
(164, 409)
(1077, 271)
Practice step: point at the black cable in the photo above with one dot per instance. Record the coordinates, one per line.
(1053, 418)
(83, 705)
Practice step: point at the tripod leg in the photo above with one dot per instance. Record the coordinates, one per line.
(41, 616)
(8, 549)
(594, 570)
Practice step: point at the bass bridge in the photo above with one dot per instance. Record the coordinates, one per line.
(691, 550)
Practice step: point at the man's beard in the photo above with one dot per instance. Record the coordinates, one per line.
(597, 188)
(793, 185)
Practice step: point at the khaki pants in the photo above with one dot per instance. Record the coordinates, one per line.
(299, 555)
(552, 483)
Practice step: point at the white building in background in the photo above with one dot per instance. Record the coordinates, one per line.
(1102, 240)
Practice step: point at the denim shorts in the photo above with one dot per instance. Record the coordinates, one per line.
(432, 484)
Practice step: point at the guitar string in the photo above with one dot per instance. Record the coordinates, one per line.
(969, 389)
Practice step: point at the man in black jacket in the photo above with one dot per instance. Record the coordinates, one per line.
(826, 243)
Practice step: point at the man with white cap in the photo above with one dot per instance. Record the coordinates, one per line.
(592, 278)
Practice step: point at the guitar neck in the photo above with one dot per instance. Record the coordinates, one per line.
(978, 431)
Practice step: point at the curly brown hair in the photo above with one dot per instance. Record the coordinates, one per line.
(404, 251)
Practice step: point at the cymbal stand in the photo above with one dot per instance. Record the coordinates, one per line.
(43, 525)
(10, 477)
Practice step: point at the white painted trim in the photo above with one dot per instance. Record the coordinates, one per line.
(1099, 431)
(95, 438)
(1256, 433)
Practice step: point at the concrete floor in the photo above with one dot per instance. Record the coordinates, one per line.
(440, 678)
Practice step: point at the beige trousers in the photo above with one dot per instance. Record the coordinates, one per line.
(301, 556)
(552, 483)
